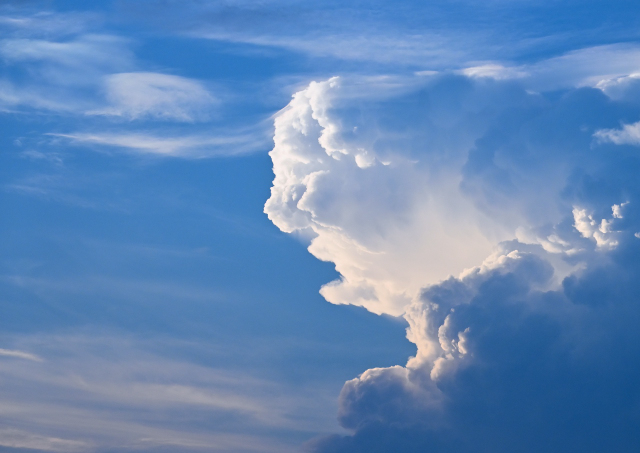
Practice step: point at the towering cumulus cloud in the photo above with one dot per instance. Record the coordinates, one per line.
(502, 223)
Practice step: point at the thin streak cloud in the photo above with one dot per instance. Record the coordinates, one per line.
(171, 146)
(20, 355)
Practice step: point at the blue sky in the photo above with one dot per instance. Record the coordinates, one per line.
(273, 226)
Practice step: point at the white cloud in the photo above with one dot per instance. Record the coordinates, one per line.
(606, 67)
(628, 135)
(377, 222)
(400, 196)
(68, 74)
(193, 146)
(137, 95)
(398, 200)
(19, 355)
(494, 71)
(602, 232)
(623, 87)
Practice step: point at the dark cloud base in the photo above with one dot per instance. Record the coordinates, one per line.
(555, 371)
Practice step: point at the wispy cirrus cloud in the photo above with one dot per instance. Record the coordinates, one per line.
(81, 72)
(60, 75)
(85, 76)
(19, 355)
(136, 95)
(24, 20)
(102, 392)
(17, 438)
(589, 66)
(86, 53)
(433, 35)
(189, 146)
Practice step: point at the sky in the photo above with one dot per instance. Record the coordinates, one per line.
(323, 227)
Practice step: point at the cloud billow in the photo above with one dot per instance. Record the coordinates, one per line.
(503, 226)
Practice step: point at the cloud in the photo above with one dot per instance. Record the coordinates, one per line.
(494, 71)
(85, 53)
(404, 191)
(19, 355)
(92, 73)
(486, 215)
(61, 75)
(310, 29)
(628, 135)
(507, 366)
(99, 392)
(606, 67)
(147, 94)
(84, 75)
(14, 438)
(366, 204)
(431, 35)
(368, 47)
(192, 146)
(27, 22)
(602, 232)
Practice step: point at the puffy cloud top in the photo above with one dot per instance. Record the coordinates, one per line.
(405, 189)
(344, 176)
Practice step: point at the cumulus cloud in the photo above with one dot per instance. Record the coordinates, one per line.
(537, 370)
(488, 216)
(602, 232)
(403, 191)
(628, 135)
(370, 207)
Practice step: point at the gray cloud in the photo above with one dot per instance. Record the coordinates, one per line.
(519, 368)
